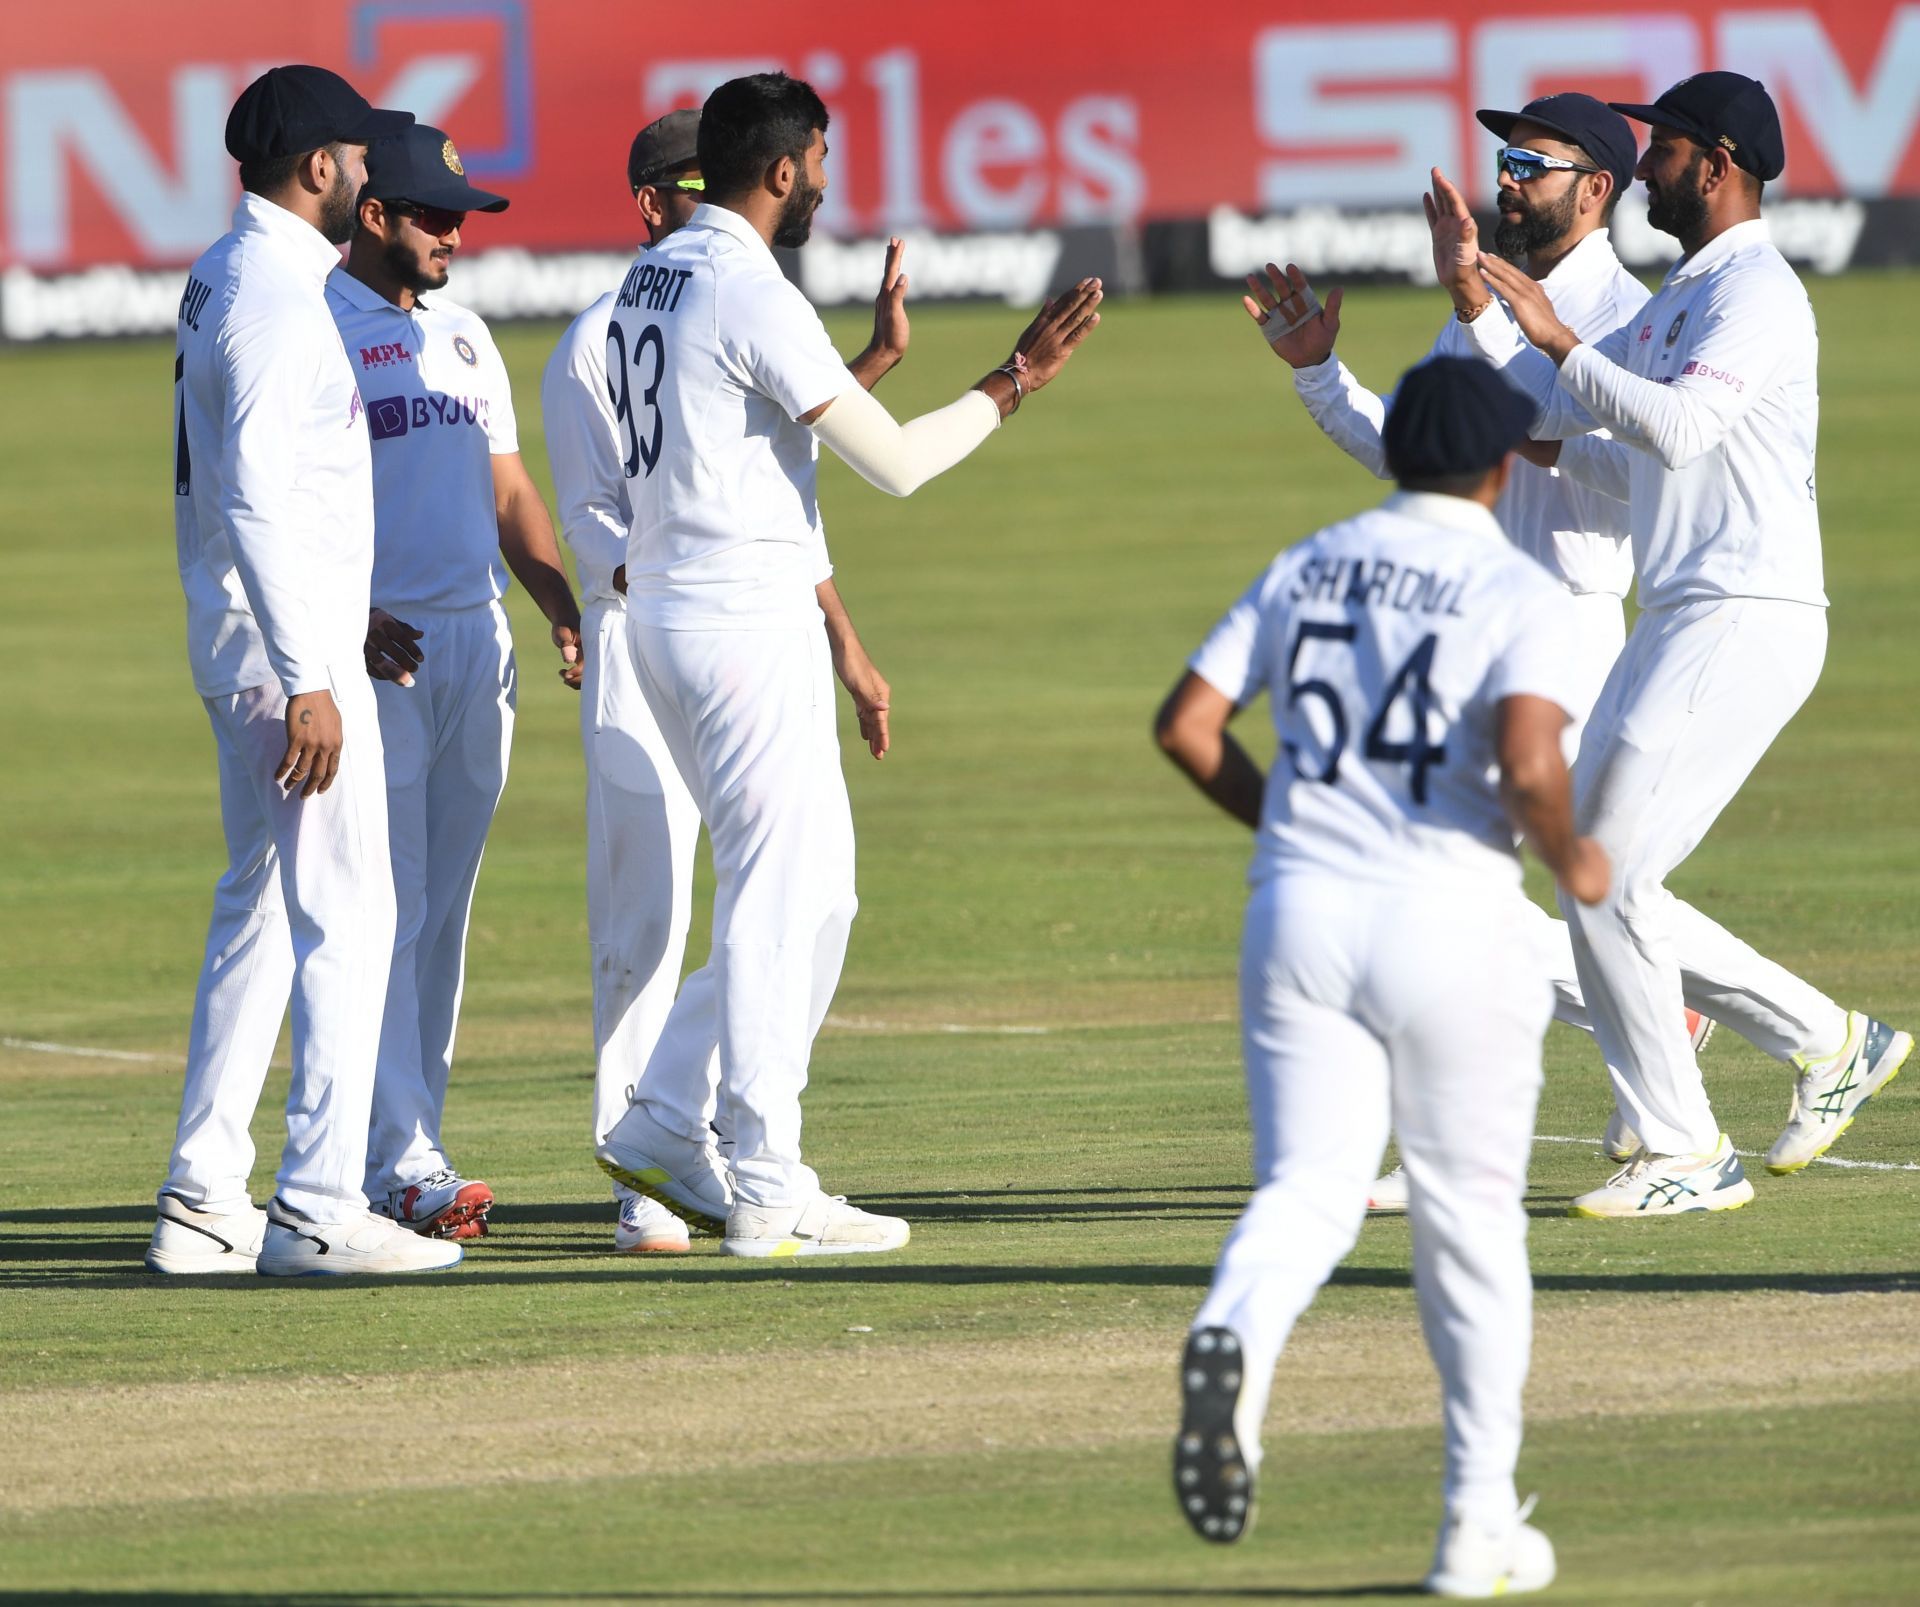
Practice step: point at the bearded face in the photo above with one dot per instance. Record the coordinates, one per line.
(337, 207)
(795, 224)
(1679, 206)
(1529, 224)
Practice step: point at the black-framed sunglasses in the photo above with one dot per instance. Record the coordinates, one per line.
(433, 220)
(1522, 165)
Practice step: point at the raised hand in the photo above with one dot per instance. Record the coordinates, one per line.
(1055, 334)
(1289, 314)
(1456, 243)
(890, 328)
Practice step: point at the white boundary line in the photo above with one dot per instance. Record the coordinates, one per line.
(83, 1054)
(865, 1024)
(1754, 1154)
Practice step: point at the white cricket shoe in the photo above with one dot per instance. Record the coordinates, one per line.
(646, 1227)
(1471, 1563)
(1830, 1091)
(823, 1225)
(1670, 1185)
(444, 1205)
(1389, 1191)
(688, 1178)
(1622, 1143)
(1216, 1454)
(187, 1241)
(298, 1247)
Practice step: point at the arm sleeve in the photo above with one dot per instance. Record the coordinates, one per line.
(1233, 658)
(273, 370)
(1599, 463)
(900, 458)
(1496, 338)
(1746, 329)
(1348, 414)
(583, 449)
(1535, 661)
(1351, 416)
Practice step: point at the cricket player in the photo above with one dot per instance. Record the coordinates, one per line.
(1564, 162)
(641, 819)
(273, 519)
(1711, 396)
(724, 384)
(454, 511)
(1419, 681)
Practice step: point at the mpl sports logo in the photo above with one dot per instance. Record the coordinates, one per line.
(384, 356)
(390, 416)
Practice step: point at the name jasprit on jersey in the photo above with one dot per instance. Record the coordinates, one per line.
(1381, 584)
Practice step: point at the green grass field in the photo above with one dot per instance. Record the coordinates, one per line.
(1032, 1056)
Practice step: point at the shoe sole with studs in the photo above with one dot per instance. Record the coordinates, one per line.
(1212, 1478)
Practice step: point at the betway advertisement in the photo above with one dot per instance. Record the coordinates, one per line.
(1019, 140)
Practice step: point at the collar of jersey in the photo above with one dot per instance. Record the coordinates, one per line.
(255, 214)
(1592, 257)
(718, 217)
(1716, 251)
(359, 294)
(1454, 513)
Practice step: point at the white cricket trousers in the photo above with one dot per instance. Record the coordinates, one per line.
(1599, 632)
(748, 717)
(304, 911)
(1697, 697)
(642, 828)
(447, 738)
(1425, 1005)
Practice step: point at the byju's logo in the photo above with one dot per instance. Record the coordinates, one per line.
(387, 417)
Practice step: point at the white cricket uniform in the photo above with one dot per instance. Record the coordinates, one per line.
(273, 521)
(1387, 967)
(439, 408)
(1712, 396)
(712, 357)
(642, 822)
(1578, 533)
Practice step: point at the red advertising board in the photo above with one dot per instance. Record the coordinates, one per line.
(980, 117)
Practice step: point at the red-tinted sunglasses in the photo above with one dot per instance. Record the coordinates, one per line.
(433, 220)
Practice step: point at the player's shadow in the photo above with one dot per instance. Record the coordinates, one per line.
(482, 1267)
(1117, 1595)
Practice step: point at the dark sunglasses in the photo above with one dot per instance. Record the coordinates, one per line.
(1522, 165)
(433, 220)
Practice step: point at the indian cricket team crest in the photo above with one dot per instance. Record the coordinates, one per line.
(465, 348)
(1673, 329)
(452, 158)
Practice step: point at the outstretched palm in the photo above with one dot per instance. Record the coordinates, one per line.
(1289, 314)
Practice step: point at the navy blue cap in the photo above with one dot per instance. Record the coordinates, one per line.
(287, 110)
(1595, 127)
(1452, 415)
(666, 145)
(1730, 110)
(421, 165)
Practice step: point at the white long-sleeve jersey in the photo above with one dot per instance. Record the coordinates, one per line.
(1578, 533)
(273, 478)
(1715, 386)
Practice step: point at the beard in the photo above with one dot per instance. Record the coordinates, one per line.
(1539, 226)
(795, 225)
(337, 209)
(416, 273)
(1680, 209)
